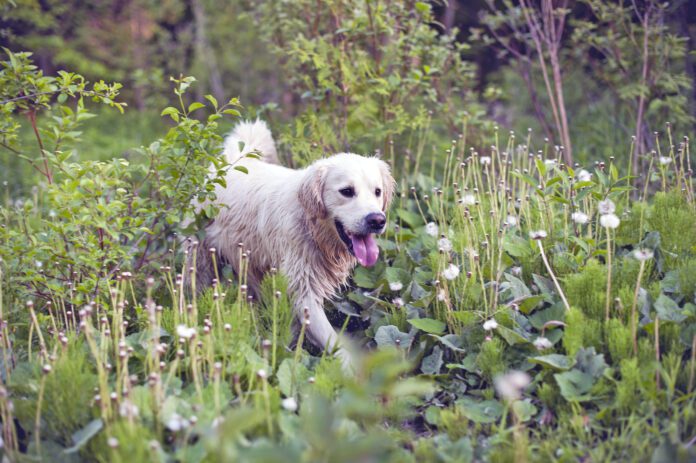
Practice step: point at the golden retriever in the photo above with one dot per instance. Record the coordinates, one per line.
(313, 224)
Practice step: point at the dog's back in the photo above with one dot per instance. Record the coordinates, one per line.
(252, 137)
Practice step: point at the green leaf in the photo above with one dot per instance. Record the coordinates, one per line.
(422, 7)
(487, 411)
(555, 361)
(524, 409)
(390, 336)
(242, 169)
(574, 385)
(81, 437)
(668, 310)
(195, 105)
(432, 364)
(516, 246)
(429, 325)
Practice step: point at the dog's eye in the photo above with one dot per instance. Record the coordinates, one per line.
(348, 192)
(378, 192)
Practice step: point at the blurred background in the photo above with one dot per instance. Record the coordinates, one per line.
(268, 53)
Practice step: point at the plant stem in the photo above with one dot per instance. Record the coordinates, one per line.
(608, 297)
(634, 320)
(553, 277)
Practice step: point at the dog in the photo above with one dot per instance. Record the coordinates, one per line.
(314, 224)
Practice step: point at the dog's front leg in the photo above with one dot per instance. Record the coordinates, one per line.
(309, 311)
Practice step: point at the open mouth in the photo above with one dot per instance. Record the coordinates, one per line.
(363, 247)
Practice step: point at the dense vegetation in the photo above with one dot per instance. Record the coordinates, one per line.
(536, 295)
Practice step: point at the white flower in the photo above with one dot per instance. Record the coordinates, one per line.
(579, 217)
(511, 220)
(643, 254)
(607, 207)
(39, 264)
(549, 162)
(665, 160)
(584, 176)
(451, 272)
(396, 286)
(176, 423)
(509, 386)
(398, 302)
(444, 244)
(542, 343)
(128, 410)
(609, 221)
(431, 229)
(537, 234)
(441, 295)
(290, 404)
(485, 160)
(490, 325)
(468, 200)
(517, 270)
(184, 332)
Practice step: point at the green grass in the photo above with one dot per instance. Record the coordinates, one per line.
(148, 372)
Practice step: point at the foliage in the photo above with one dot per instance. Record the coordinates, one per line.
(524, 309)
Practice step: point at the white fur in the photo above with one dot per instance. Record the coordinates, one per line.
(286, 219)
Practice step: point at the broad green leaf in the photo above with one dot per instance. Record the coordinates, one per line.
(487, 411)
(432, 364)
(428, 325)
(575, 385)
(555, 361)
(390, 336)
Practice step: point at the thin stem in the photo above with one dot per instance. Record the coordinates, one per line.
(607, 306)
(553, 277)
(634, 319)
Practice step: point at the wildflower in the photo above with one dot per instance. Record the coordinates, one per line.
(290, 404)
(398, 302)
(580, 218)
(431, 229)
(538, 234)
(584, 176)
(441, 295)
(542, 343)
(262, 374)
(509, 386)
(511, 221)
(468, 200)
(185, 332)
(396, 286)
(176, 423)
(609, 221)
(112, 442)
(485, 160)
(607, 207)
(128, 410)
(665, 160)
(451, 272)
(444, 244)
(490, 325)
(549, 162)
(643, 254)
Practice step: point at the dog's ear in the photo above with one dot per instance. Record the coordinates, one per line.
(388, 184)
(311, 192)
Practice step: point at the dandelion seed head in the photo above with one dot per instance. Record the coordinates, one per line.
(451, 272)
(538, 234)
(289, 404)
(431, 229)
(542, 343)
(580, 218)
(510, 385)
(643, 254)
(396, 286)
(606, 207)
(490, 325)
(609, 221)
(444, 244)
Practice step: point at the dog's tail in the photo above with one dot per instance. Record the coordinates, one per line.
(251, 137)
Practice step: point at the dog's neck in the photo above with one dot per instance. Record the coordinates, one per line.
(336, 261)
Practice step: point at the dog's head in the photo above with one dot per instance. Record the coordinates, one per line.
(352, 193)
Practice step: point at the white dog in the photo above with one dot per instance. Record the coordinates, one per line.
(312, 224)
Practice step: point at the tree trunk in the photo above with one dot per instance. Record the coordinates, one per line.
(204, 52)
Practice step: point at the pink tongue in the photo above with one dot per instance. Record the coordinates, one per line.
(365, 249)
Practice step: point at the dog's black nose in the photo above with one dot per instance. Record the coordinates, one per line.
(375, 221)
